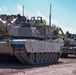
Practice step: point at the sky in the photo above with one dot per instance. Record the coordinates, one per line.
(63, 11)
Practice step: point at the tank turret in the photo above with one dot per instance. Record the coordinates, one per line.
(23, 27)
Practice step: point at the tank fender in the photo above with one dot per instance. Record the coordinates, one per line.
(60, 41)
(17, 44)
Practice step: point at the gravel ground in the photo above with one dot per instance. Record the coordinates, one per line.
(65, 66)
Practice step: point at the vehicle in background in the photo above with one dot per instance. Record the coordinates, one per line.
(69, 44)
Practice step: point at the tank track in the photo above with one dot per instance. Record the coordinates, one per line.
(35, 58)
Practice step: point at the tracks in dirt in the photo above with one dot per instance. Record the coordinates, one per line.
(14, 67)
(15, 64)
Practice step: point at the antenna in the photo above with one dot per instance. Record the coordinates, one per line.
(50, 17)
(23, 10)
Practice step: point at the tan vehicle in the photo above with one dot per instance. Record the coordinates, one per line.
(69, 44)
(28, 40)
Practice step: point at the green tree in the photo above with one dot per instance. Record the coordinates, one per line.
(44, 22)
(57, 29)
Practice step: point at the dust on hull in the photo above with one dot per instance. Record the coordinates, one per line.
(5, 47)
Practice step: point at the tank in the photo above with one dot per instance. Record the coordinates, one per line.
(69, 44)
(29, 40)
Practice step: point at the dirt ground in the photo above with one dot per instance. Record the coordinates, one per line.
(65, 66)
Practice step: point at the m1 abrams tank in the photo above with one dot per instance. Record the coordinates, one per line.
(29, 40)
(69, 44)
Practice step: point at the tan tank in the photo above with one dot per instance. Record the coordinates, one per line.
(69, 44)
(29, 40)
